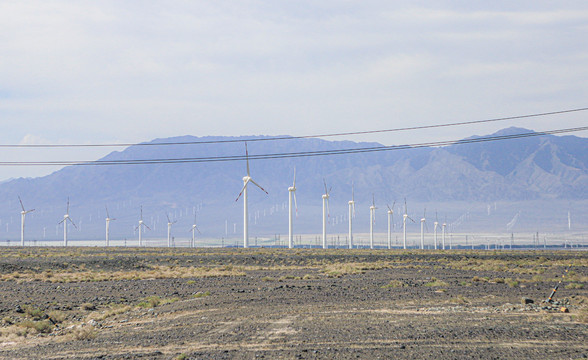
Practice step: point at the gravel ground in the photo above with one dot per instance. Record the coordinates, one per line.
(291, 304)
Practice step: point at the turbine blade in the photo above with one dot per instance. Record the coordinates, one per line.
(107, 215)
(71, 221)
(141, 212)
(137, 228)
(21, 205)
(242, 189)
(67, 205)
(373, 200)
(325, 183)
(259, 186)
(146, 226)
(28, 211)
(389, 208)
(168, 220)
(61, 221)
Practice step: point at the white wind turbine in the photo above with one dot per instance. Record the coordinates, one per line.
(140, 228)
(372, 220)
(325, 213)
(66, 218)
(23, 214)
(436, 224)
(423, 224)
(194, 228)
(390, 223)
(291, 193)
(108, 220)
(404, 217)
(351, 216)
(443, 232)
(246, 180)
(169, 226)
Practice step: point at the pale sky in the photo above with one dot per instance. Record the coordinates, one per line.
(130, 71)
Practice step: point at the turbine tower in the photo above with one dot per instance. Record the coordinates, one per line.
(291, 193)
(246, 180)
(351, 216)
(108, 219)
(372, 220)
(436, 224)
(423, 224)
(140, 227)
(194, 228)
(66, 218)
(169, 226)
(23, 214)
(404, 217)
(325, 213)
(443, 233)
(390, 223)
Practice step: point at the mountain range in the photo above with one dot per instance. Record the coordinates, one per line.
(541, 170)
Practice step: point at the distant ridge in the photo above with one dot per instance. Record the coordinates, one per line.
(536, 168)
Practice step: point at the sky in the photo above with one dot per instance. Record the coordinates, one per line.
(130, 71)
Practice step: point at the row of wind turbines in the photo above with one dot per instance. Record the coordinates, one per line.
(325, 197)
(291, 201)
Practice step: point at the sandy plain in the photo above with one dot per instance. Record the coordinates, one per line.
(221, 303)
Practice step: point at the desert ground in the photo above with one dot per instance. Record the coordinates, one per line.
(259, 303)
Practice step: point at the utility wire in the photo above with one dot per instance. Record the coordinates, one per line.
(274, 138)
(291, 154)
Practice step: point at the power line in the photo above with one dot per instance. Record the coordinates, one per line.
(292, 154)
(274, 138)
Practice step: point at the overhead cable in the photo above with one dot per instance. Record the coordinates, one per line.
(291, 154)
(274, 138)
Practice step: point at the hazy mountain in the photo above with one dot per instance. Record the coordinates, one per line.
(544, 168)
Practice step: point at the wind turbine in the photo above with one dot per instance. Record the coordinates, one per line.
(372, 220)
(443, 232)
(66, 218)
(291, 193)
(325, 213)
(390, 223)
(169, 226)
(194, 227)
(404, 217)
(108, 219)
(246, 180)
(23, 214)
(140, 228)
(436, 223)
(423, 224)
(351, 216)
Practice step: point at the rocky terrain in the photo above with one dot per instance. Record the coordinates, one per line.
(126, 303)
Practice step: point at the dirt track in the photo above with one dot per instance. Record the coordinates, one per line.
(124, 303)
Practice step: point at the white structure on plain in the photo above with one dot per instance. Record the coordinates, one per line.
(423, 224)
(390, 223)
(108, 220)
(140, 227)
(246, 180)
(404, 217)
(23, 214)
(372, 220)
(66, 218)
(436, 224)
(193, 229)
(169, 227)
(351, 216)
(326, 213)
(443, 233)
(291, 193)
